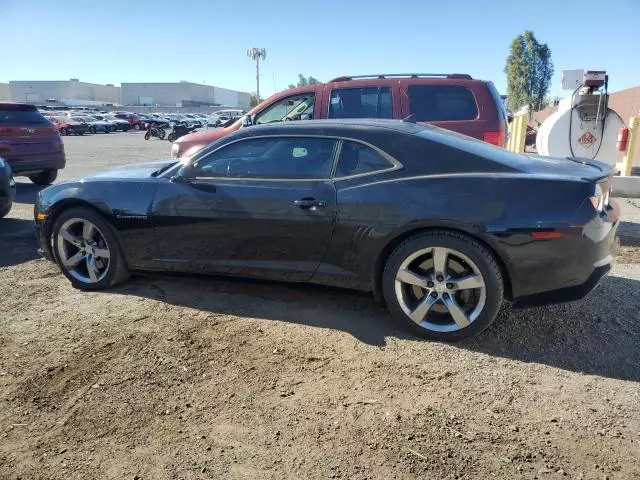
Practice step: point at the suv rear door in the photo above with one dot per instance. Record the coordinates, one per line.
(375, 98)
(462, 105)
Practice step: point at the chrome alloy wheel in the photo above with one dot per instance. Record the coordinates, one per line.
(440, 289)
(83, 250)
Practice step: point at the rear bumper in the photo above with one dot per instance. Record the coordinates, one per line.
(566, 294)
(29, 164)
(566, 268)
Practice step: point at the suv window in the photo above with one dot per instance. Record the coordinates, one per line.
(22, 117)
(274, 157)
(356, 158)
(297, 107)
(366, 102)
(442, 102)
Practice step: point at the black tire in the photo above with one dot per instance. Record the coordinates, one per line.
(136, 126)
(171, 137)
(63, 131)
(92, 130)
(118, 271)
(474, 250)
(147, 135)
(5, 211)
(45, 178)
(161, 133)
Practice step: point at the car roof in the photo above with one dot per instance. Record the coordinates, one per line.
(333, 127)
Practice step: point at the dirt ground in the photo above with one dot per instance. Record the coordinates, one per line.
(169, 377)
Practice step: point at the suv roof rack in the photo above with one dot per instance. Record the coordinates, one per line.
(456, 76)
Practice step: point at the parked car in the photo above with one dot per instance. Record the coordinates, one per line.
(194, 120)
(132, 118)
(94, 125)
(69, 126)
(453, 101)
(223, 116)
(116, 123)
(440, 225)
(30, 143)
(7, 188)
(149, 119)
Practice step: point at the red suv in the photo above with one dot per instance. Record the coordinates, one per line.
(453, 101)
(30, 143)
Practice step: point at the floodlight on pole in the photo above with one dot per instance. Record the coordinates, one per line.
(256, 54)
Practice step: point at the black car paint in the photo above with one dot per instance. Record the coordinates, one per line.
(252, 227)
(7, 185)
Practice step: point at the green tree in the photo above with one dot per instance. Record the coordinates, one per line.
(529, 70)
(253, 100)
(304, 81)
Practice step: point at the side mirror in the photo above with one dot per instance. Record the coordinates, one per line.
(248, 120)
(184, 175)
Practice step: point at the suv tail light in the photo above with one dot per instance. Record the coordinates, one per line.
(494, 138)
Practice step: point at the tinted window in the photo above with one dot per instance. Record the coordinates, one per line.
(22, 117)
(298, 107)
(356, 158)
(442, 102)
(280, 157)
(367, 102)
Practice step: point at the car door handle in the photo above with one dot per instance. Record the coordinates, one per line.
(310, 203)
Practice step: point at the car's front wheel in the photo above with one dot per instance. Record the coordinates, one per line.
(136, 126)
(44, 178)
(87, 251)
(443, 285)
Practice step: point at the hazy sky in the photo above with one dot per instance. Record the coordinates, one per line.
(206, 41)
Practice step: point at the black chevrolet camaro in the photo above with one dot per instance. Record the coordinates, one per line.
(440, 226)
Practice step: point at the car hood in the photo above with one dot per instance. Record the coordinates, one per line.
(134, 170)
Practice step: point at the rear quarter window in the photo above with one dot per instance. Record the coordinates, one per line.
(431, 103)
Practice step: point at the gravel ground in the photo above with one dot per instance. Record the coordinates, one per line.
(184, 378)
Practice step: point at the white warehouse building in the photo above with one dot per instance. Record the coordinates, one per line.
(181, 94)
(68, 92)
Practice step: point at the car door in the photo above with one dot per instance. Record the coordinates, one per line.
(261, 207)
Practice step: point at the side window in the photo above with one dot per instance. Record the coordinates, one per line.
(271, 157)
(356, 158)
(366, 102)
(431, 103)
(298, 107)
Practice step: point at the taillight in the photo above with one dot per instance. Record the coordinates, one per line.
(494, 138)
(600, 200)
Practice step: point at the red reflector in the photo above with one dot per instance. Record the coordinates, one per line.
(494, 138)
(546, 235)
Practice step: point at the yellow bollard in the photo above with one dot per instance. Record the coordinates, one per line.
(517, 134)
(627, 160)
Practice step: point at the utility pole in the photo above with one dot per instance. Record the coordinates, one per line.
(256, 54)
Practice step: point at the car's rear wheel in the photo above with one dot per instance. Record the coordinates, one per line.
(136, 126)
(92, 130)
(44, 178)
(87, 251)
(63, 131)
(443, 285)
